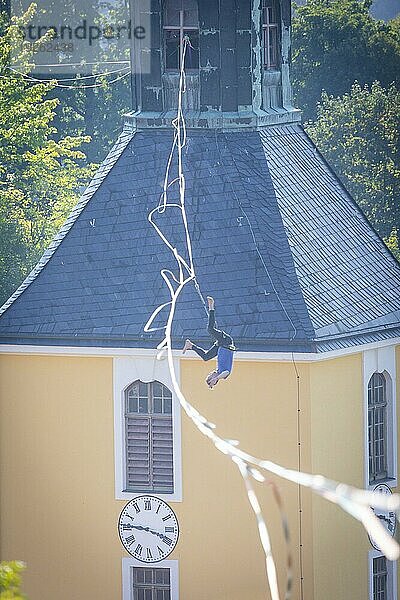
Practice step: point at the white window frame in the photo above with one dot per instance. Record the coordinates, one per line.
(382, 360)
(267, 28)
(183, 30)
(129, 563)
(392, 576)
(127, 370)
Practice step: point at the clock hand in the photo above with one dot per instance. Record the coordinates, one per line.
(160, 535)
(141, 528)
(130, 526)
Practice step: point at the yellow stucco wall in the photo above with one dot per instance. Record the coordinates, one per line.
(58, 511)
(257, 406)
(397, 490)
(56, 486)
(57, 504)
(337, 441)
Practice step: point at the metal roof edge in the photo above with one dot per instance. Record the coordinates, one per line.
(327, 345)
(381, 329)
(257, 356)
(128, 341)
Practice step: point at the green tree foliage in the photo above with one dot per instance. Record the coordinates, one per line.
(10, 580)
(392, 242)
(337, 42)
(40, 170)
(95, 107)
(359, 135)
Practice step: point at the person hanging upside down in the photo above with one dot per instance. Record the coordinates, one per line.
(223, 348)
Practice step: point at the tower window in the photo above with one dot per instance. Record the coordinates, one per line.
(380, 579)
(181, 19)
(270, 33)
(377, 428)
(151, 584)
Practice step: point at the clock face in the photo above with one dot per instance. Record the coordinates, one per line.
(148, 528)
(387, 518)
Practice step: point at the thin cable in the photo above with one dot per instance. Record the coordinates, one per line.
(100, 62)
(94, 75)
(255, 239)
(70, 87)
(300, 504)
(354, 501)
(299, 488)
(197, 286)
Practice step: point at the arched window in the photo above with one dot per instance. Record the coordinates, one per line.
(181, 18)
(270, 26)
(377, 428)
(149, 438)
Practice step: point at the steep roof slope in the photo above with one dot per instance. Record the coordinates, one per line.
(100, 280)
(349, 279)
(290, 259)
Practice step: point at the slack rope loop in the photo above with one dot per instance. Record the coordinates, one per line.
(354, 501)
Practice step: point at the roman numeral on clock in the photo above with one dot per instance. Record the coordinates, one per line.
(136, 507)
(166, 517)
(129, 540)
(160, 551)
(139, 549)
(167, 541)
(169, 529)
(147, 505)
(148, 553)
(126, 526)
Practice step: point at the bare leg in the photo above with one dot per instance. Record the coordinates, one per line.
(223, 338)
(188, 346)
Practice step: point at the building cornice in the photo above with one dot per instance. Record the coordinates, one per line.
(17, 349)
(252, 120)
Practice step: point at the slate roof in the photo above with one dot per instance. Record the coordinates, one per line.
(349, 279)
(290, 259)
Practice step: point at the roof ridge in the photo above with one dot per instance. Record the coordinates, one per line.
(112, 157)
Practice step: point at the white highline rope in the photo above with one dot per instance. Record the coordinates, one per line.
(354, 501)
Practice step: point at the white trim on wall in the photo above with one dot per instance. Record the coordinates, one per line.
(145, 368)
(129, 563)
(253, 356)
(392, 576)
(382, 360)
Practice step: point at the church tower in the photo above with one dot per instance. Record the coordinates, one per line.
(237, 66)
(90, 419)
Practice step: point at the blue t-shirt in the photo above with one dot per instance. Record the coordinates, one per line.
(224, 359)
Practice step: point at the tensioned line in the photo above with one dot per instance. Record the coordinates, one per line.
(355, 501)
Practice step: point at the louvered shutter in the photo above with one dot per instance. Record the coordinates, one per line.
(162, 453)
(138, 471)
(149, 439)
